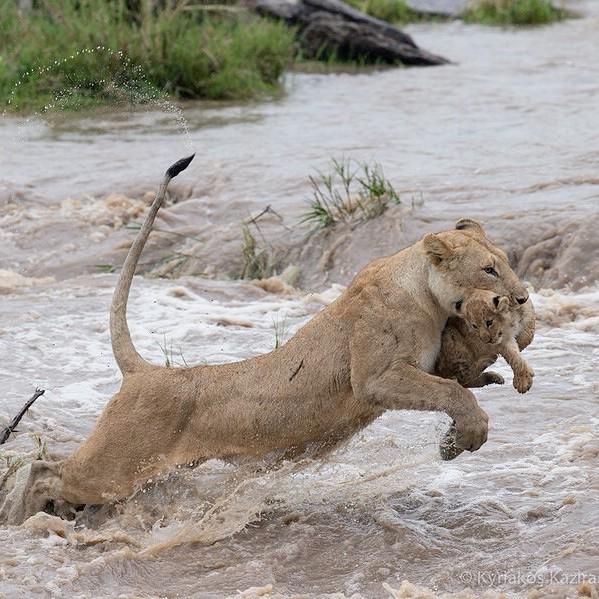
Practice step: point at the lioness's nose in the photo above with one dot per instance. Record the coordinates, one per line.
(522, 300)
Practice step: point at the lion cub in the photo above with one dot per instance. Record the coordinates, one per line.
(487, 328)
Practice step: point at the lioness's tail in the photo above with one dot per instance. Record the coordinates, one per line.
(122, 347)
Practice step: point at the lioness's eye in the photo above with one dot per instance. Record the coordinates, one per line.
(489, 323)
(490, 271)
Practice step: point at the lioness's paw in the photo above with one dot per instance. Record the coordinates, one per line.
(523, 380)
(472, 429)
(448, 450)
(493, 378)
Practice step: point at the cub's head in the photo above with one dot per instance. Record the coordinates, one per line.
(487, 315)
(464, 260)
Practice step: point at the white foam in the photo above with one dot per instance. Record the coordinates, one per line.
(541, 448)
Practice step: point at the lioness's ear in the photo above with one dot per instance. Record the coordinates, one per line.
(436, 249)
(467, 224)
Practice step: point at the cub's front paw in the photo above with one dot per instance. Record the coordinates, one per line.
(523, 380)
(492, 378)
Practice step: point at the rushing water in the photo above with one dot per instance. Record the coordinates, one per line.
(509, 135)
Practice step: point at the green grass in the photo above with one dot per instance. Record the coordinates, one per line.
(169, 354)
(514, 12)
(77, 53)
(280, 330)
(259, 260)
(392, 11)
(488, 12)
(352, 191)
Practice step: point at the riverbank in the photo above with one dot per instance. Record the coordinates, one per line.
(75, 54)
(470, 140)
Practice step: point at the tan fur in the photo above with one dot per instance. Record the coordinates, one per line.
(486, 329)
(369, 351)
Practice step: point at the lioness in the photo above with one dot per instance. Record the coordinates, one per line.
(371, 350)
(487, 328)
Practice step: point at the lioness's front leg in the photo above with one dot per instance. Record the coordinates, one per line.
(387, 382)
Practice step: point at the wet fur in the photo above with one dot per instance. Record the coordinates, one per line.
(369, 351)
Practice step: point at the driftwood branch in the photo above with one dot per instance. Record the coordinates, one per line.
(15, 421)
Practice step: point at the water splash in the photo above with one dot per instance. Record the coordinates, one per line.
(124, 86)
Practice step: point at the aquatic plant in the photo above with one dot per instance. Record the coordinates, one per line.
(351, 191)
(514, 12)
(78, 53)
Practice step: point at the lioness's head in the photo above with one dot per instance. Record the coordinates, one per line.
(464, 260)
(487, 315)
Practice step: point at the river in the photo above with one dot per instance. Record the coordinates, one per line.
(509, 135)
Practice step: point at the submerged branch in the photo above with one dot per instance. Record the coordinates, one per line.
(15, 421)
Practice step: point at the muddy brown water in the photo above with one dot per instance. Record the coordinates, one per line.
(509, 135)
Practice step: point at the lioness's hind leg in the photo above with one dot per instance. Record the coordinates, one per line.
(37, 484)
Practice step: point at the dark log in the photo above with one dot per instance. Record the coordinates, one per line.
(5, 434)
(328, 27)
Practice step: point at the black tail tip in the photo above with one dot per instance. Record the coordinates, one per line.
(179, 166)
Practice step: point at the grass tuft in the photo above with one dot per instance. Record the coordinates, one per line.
(79, 53)
(41, 448)
(392, 11)
(280, 328)
(166, 348)
(258, 260)
(514, 12)
(105, 268)
(13, 463)
(352, 191)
